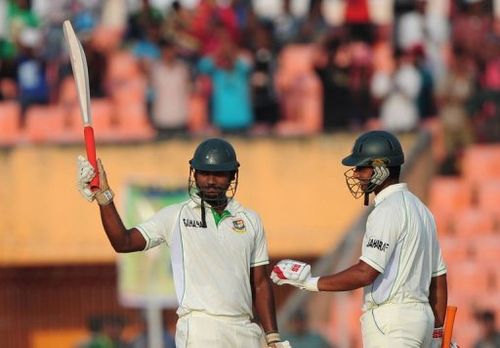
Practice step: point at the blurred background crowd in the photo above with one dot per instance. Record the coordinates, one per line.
(256, 67)
(165, 70)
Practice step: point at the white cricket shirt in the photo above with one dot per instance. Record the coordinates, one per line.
(401, 243)
(211, 266)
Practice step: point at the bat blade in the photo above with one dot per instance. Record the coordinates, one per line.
(81, 76)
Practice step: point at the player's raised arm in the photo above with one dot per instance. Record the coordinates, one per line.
(122, 239)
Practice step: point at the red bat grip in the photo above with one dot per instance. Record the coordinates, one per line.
(88, 133)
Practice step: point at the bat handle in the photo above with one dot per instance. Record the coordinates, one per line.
(88, 133)
(451, 311)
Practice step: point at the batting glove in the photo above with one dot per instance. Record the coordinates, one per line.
(104, 195)
(85, 174)
(295, 273)
(273, 340)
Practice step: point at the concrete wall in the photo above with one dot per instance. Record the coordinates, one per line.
(297, 186)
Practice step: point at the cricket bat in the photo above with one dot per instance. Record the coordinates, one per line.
(81, 76)
(449, 321)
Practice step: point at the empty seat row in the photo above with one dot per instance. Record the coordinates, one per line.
(62, 124)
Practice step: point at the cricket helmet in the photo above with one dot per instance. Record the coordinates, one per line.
(214, 155)
(377, 149)
(375, 146)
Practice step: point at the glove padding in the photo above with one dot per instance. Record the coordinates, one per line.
(295, 273)
(104, 195)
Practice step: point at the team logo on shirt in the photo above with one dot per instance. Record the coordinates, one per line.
(377, 244)
(239, 226)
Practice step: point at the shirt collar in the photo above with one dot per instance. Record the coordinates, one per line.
(389, 190)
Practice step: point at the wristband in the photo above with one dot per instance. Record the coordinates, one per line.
(438, 332)
(312, 284)
(104, 197)
(273, 337)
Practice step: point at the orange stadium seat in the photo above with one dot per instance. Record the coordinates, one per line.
(133, 122)
(10, 113)
(487, 248)
(102, 111)
(130, 90)
(468, 277)
(455, 249)
(198, 113)
(473, 222)
(480, 163)
(447, 197)
(107, 39)
(488, 196)
(45, 123)
(68, 94)
(122, 65)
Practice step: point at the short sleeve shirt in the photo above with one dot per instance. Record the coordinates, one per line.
(211, 265)
(401, 243)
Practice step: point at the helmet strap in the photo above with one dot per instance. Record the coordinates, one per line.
(203, 215)
(367, 198)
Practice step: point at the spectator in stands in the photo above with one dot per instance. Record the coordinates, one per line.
(142, 339)
(453, 93)
(97, 338)
(212, 24)
(314, 27)
(286, 25)
(170, 82)
(229, 73)
(139, 20)
(31, 71)
(113, 326)
(425, 98)
(18, 17)
(471, 27)
(332, 65)
(177, 28)
(397, 94)
(264, 96)
(301, 336)
(490, 337)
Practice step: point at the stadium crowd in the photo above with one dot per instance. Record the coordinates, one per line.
(220, 66)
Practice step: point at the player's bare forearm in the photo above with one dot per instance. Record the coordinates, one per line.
(438, 298)
(263, 298)
(356, 276)
(122, 240)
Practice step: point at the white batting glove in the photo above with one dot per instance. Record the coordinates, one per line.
(104, 195)
(295, 273)
(273, 340)
(85, 174)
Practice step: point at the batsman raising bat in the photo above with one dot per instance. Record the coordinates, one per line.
(401, 267)
(218, 250)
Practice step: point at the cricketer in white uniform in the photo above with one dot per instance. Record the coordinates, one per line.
(218, 251)
(401, 267)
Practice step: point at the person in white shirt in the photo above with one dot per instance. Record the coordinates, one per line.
(401, 267)
(218, 250)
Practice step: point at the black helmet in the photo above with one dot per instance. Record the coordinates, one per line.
(214, 155)
(378, 146)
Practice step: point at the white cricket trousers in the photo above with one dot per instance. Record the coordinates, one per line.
(398, 325)
(200, 330)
